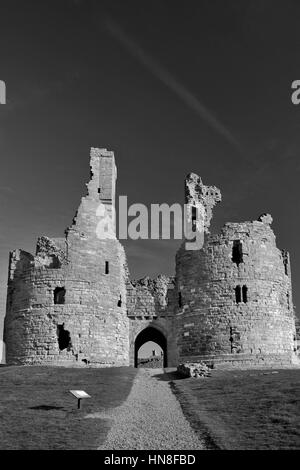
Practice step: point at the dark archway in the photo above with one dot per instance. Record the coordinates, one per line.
(150, 334)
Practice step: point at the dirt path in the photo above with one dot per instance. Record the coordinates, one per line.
(151, 418)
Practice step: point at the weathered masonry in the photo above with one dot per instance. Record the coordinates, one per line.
(73, 302)
(63, 304)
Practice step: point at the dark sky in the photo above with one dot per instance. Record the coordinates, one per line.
(171, 87)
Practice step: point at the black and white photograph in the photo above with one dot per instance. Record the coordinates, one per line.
(149, 217)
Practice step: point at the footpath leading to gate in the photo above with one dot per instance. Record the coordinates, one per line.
(150, 419)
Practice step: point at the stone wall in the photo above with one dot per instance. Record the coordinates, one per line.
(89, 323)
(150, 305)
(155, 362)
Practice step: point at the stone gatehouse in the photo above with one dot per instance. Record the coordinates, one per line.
(73, 302)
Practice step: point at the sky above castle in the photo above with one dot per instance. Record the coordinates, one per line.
(170, 87)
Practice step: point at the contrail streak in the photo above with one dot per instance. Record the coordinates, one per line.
(165, 77)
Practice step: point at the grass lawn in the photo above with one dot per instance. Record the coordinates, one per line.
(253, 409)
(38, 412)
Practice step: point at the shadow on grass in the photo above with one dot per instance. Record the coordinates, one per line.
(167, 376)
(46, 407)
(199, 427)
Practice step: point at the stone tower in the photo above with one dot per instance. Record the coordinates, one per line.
(67, 304)
(234, 295)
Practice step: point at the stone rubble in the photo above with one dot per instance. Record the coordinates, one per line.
(196, 370)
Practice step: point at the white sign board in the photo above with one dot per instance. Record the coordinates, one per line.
(80, 394)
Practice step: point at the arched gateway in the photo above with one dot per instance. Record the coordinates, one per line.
(150, 334)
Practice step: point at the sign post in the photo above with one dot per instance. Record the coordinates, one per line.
(79, 394)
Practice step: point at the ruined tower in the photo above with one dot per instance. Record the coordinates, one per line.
(67, 303)
(234, 294)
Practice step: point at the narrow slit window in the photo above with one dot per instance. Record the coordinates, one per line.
(194, 218)
(180, 300)
(106, 267)
(245, 294)
(238, 296)
(237, 252)
(285, 261)
(59, 295)
(120, 301)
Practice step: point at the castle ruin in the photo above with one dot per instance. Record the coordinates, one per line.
(73, 302)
